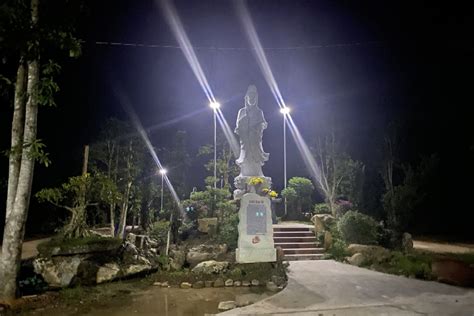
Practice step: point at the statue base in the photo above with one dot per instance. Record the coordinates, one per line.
(255, 230)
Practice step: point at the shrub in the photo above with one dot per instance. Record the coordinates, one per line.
(338, 250)
(159, 231)
(358, 228)
(321, 208)
(228, 231)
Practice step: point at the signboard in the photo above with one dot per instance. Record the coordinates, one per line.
(256, 218)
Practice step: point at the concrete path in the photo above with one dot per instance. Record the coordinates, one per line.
(327, 288)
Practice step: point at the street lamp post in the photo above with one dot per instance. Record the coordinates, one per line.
(285, 111)
(163, 172)
(215, 106)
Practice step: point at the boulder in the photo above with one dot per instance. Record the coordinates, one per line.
(211, 267)
(58, 271)
(255, 282)
(372, 253)
(185, 285)
(407, 242)
(177, 259)
(328, 240)
(356, 259)
(135, 269)
(322, 222)
(107, 272)
(198, 285)
(237, 283)
(206, 225)
(205, 253)
(246, 283)
(208, 283)
(226, 305)
(229, 282)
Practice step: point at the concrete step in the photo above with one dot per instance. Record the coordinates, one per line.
(303, 257)
(293, 234)
(286, 245)
(293, 239)
(291, 229)
(301, 251)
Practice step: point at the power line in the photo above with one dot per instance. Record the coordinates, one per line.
(212, 48)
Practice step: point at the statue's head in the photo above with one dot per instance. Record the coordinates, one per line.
(251, 97)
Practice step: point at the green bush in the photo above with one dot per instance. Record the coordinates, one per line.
(321, 208)
(338, 250)
(159, 231)
(418, 266)
(228, 232)
(358, 228)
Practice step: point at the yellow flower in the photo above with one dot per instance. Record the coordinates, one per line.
(255, 180)
(273, 194)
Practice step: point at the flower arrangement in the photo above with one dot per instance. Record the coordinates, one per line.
(271, 193)
(256, 180)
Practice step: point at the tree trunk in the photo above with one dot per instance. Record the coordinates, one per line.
(124, 211)
(15, 221)
(17, 135)
(76, 228)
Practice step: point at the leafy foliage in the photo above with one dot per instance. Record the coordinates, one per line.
(159, 231)
(322, 208)
(358, 228)
(298, 194)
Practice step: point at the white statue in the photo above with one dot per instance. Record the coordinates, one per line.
(249, 127)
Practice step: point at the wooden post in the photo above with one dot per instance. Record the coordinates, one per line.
(86, 159)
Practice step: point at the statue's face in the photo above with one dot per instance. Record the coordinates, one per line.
(251, 98)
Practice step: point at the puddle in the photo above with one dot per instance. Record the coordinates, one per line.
(158, 301)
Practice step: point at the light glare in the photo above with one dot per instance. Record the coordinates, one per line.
(163, 171)
(215, 105)
(285, 110)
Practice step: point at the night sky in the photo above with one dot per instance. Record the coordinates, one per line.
(380, 61)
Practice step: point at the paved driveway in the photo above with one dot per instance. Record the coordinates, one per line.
(327, 288)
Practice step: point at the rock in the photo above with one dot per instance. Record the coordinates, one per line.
(107, 272)
(407, 242)
(357, 259)
(237, 283)
(185, 285)
(226, 305)
(210, 267)
(246, 283)
(272, 286)
(453, 272)
(205, 253)
(255, 282)
(247, 299)
(208, 283)
(58, 271)
(129, 253)
(198, 285)
(322, 222)
(135, 269)
(219, 283)
(372, 253)
(328, 240)
(207, 224)
(131, 238)
(229, 282)
(157, 284)
(177, 259)
(165, 284)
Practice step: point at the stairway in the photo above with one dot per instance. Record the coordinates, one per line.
(298, 242)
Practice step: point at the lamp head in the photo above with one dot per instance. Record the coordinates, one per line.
(285, 110)
(215, 105)
(163, 171)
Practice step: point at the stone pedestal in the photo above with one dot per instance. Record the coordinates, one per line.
(255, 230)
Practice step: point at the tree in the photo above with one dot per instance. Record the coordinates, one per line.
(225, 163)
(76, 195)
(298, 194)
(339, 175)
(26, 38)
